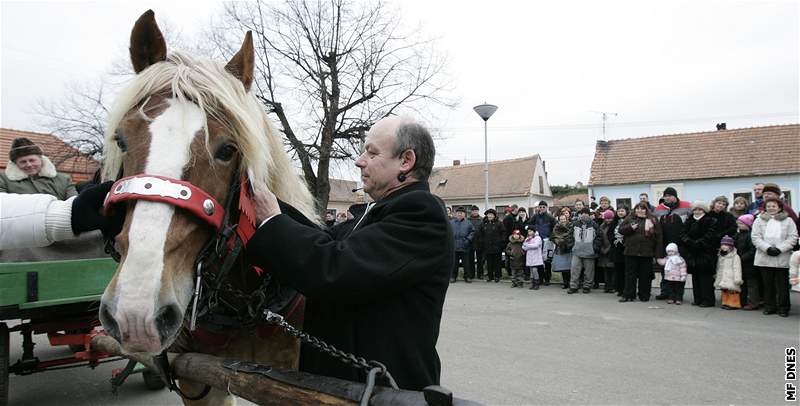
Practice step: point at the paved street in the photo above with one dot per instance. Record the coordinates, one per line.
(515, 346)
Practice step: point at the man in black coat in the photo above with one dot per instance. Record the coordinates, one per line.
(379, 292)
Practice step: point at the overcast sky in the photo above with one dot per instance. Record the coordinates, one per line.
(663, 66)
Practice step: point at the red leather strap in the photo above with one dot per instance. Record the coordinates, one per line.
(174, 192)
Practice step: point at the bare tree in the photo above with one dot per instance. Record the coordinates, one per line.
(78, 119)
(328, 69)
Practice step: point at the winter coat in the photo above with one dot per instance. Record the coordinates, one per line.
(48, 181)
(379, 293)
(586, 239)
(675, 268)
(515, 253)
(492, 237)
(476, 225)
(533, 251)
(641, 242)
(617, 241)
(604, 256)
(726, 223)
(562, 238)
(33, 220)
(672, 220)
(794, 269)
(508, 223)
(462, 234)
(747, 252)
(520, 225)
(786, 209)
(779, 232)
(700, 245)
(543, 223)
(598, 213)
(729, 272)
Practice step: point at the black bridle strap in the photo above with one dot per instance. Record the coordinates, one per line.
(168, 376)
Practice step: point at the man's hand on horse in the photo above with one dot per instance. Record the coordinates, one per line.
(265, 203)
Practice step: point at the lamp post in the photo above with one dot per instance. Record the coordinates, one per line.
(485, 111)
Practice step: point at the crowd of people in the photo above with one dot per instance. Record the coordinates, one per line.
(749, 251)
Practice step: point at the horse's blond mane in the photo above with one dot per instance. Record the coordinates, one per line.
(222, 96)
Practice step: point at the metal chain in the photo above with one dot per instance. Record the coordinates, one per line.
(345, 357)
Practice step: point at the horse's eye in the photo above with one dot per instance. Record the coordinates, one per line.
(120, 139)
(225, 153)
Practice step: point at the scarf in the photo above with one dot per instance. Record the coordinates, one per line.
(698, 218)
(673, 262)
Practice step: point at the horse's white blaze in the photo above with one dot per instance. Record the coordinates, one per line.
(139, 279)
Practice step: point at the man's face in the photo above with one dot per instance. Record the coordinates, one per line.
(490, 216)
(460, 215)
(578, 205)
(584, 216)
(643, 198)
(379, 167)
(770, 195)
(758, 190)
(30, 164)
(328, 216)
(475, 213)
(541, 209)
(670, 199)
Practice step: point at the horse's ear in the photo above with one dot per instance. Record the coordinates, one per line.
(243, 63)
(147, 44)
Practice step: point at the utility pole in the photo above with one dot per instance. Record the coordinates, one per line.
(605, 117)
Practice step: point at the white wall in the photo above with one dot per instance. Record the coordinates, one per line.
(704, 189)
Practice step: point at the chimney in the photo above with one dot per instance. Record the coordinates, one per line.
(456, 162)
(722, 126)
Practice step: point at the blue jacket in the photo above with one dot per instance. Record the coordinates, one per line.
(462, 234)
(543, 223)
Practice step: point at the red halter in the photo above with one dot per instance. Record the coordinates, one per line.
(174, 192)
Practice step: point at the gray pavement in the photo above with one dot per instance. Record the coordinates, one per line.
(500, 345)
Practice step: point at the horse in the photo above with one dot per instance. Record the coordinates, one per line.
(186, 140)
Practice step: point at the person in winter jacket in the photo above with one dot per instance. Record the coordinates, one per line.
(516, 258)
(492, 239)
(544, 223)
(29, 171)
(751, 297)
(533, 256)
(774, 235)
(674, 273)
(617, 252)
(773, 191)
(562, 258)
(643, 243)
(700, 244)
(671, 214)
(586, 244)
(605, 205)
(604, 262)
(726, 222)
(729, 274)
(475, 252)
(462, 235)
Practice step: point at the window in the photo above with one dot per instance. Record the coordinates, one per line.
(787, 196)
(501, 210)
(541, 185)
(624, 201)
(747, 196)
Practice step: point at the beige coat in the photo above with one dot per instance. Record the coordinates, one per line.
(729, 272)
(779, 232)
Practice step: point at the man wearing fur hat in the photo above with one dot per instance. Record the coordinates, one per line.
(773, 191)
(29, 171)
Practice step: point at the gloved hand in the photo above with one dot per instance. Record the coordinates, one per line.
(86, 212)
(773, 252)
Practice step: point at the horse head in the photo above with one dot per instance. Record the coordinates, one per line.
(181, 121)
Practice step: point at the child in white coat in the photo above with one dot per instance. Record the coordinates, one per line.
(674, 274)
(533, 256)
(729, 274)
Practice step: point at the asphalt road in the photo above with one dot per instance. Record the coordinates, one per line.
(516, 346)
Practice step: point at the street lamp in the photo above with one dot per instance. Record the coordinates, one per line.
(485, 111)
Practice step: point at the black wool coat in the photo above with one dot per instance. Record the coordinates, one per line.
(378, 293)
(492, 236)
(700, 245)
(726, 224)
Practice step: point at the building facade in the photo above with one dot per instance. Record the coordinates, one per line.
(700, 166)
(521, 181)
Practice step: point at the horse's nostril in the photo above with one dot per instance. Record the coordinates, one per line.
(108, 322)
(168, 321)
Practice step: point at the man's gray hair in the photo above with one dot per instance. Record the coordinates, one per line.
(414, 136)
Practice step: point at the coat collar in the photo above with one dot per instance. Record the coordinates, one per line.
(419, 185)
(15, 174)
(779, 217)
